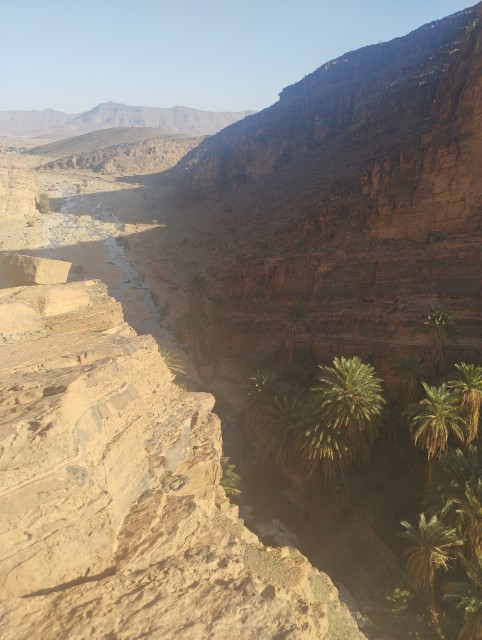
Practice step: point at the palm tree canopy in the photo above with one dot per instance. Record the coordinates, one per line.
(230, 480)
(468, 384)
(434, 418)
(431, 548)
(457, 470)
(262, 385)
(259, 392)
(467, 595)
(277, 436)
(440, 320)
(297, 321)
(440, 325)
(410, 368)
(349, 394)
(458, 495)
(332, 447)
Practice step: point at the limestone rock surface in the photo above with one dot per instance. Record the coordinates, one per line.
(18, 270)
(112, 520)
(27, 312)
(18, 188)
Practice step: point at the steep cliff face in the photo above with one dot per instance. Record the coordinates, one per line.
(363, 184)
(112, 520)
(391, 108)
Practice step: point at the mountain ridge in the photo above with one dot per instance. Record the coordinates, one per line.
(49, 122)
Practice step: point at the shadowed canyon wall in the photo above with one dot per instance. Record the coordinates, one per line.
(363, 185)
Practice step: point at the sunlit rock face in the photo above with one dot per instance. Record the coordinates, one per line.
(18, 188)
(112, 520)
(358, 194)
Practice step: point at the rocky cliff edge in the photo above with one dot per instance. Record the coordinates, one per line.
(112, 520)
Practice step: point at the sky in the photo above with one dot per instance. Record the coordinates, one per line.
(215, 55)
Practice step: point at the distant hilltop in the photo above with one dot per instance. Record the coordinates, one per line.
(55, 124)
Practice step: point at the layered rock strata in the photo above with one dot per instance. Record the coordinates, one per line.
(360, 195)
(112, 520)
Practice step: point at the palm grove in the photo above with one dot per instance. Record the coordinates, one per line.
(329, 428)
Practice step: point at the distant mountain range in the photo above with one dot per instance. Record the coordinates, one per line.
(55, 124)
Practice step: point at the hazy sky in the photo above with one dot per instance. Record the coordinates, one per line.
(217, 55)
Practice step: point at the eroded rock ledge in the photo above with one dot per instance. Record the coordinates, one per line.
(112, 521)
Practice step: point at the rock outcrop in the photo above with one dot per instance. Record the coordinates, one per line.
(17, 270)
(358, 195)
(112, 520)
(18, 188)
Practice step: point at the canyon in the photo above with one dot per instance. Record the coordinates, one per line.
(113, 522)
(357, 196)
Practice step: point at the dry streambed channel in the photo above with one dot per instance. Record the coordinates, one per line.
(93, 238)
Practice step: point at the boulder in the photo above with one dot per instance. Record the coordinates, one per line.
(17, 270)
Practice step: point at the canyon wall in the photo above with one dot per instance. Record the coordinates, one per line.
(112, 520)
(359, 195)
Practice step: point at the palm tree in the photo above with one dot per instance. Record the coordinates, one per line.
(433, 420)
(469, 385)
(251, 364)
(440, 326)
(259, 392)
(277, 439)
(410, 372)
(230, 480)
(457, 495)
(349, 400)
(297, 323)
(332, 448)
(468, 596)
(431, 548)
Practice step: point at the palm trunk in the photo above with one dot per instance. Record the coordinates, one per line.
(433, 614)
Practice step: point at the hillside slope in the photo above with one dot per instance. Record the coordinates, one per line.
(94, 140)
(138, 154)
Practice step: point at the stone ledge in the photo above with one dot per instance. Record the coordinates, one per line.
(18, 270)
